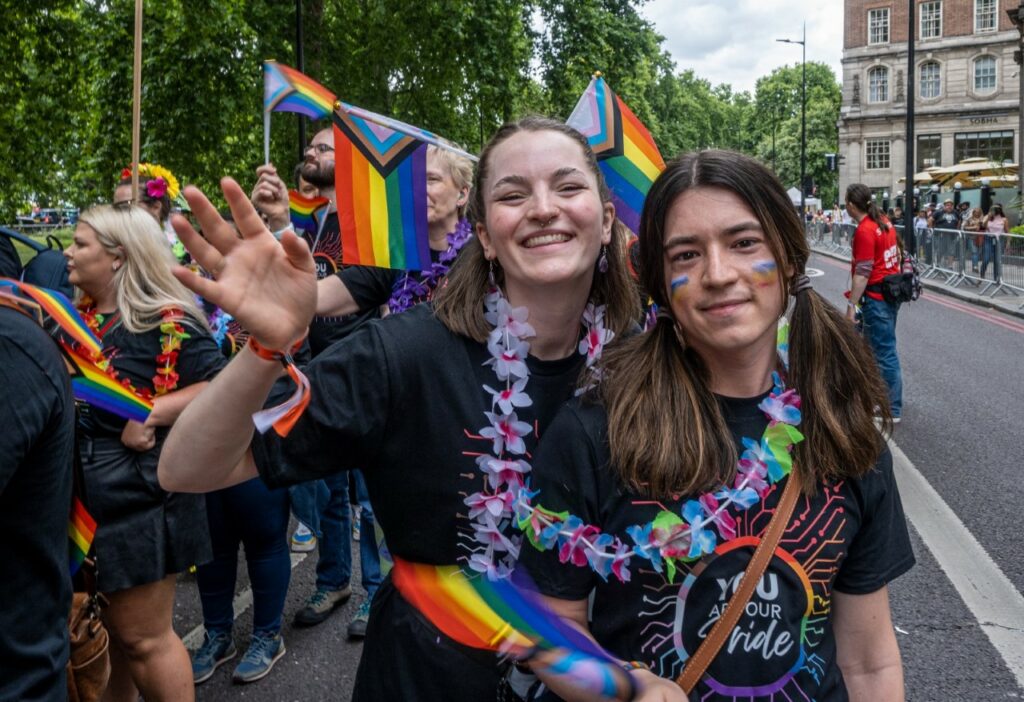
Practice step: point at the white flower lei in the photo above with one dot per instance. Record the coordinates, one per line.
(492, 509)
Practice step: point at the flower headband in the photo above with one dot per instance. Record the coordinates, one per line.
(161, 180)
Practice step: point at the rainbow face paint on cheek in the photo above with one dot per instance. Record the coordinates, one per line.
(766, 273)
(678, 286)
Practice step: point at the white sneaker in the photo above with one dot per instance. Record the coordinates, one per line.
(303, 540)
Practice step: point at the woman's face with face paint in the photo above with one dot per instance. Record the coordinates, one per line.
(723, 281)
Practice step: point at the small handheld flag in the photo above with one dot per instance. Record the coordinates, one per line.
(288, 90)
(305, 211)
(625, 150)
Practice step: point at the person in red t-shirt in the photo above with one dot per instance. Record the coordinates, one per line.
(877, 252)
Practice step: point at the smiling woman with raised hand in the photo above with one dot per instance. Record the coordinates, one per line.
(441, 406)
(652, 493)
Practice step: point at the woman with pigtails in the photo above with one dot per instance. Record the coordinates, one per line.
(651, 493)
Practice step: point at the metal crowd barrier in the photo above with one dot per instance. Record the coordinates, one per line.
(993, 263)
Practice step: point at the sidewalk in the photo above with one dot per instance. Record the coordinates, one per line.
(1005, 303)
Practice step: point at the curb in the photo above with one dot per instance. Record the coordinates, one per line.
(934, 286)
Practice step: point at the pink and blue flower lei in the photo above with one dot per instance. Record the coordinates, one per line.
(699, 526)
(493, 508)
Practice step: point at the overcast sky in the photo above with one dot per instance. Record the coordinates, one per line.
(733, 41)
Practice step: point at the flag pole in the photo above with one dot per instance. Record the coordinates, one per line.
(266, 136)
(136, 99)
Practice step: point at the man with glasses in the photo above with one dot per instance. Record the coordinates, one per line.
(334, 567)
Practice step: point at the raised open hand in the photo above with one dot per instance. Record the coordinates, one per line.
(268, 286)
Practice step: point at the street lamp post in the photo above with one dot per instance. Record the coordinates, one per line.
(1017, 17)
(803, 119)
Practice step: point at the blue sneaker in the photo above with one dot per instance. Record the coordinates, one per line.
(218, 648)
(264, 651)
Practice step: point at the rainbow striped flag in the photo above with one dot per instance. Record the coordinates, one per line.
(627, 154)
(81, 532)
(380, 185)
(288, 90)
(305, 211)
(59, 308)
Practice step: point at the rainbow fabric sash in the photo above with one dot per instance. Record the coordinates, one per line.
(90, 383)
(625, 150)
(288, 90)
(81, 532)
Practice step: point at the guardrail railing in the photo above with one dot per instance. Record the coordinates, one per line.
(993, 263)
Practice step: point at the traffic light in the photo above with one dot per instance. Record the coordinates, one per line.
(808, 185)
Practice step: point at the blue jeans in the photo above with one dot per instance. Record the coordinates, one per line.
(309, 500)
(257, 517)
(880, 331)
(334, 567)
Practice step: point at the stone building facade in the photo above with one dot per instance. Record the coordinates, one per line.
(966, 85)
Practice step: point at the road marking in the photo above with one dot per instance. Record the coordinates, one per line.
(813, 272)
(988, 593)
(242, 602)
(974, 312)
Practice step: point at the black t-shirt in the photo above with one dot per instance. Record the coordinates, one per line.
(38, 416)
(325, 245)
(946, 220)
(402, 399)
(372, 287)
(850, 537)
(133, 356)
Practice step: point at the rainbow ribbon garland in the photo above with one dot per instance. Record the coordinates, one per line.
(306, 211)
(288, 90)
(625, 150)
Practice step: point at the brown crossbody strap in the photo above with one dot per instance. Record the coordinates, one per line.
(707, 651)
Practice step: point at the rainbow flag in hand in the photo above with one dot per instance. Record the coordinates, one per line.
(288, 90)
(306, 211)
(380, 184)
(627, 154)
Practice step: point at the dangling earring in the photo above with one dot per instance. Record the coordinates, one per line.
(602, 260)
(490, 274)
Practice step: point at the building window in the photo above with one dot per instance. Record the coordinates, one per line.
(878, 26)
(931, 83)
(984, 74)
(985, 15)
(929, 151)
(878, 84)
(877, 151)
(994, 146)
(931, 19)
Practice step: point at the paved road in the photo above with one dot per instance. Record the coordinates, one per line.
(961, 433)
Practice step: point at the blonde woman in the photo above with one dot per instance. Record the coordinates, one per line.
(156, 342)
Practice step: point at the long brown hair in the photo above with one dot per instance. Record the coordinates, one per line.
(460, 303)
(666, 430)
(859, 195)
